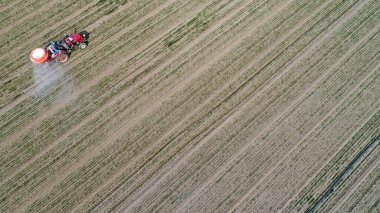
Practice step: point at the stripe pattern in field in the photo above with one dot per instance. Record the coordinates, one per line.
(191, 106)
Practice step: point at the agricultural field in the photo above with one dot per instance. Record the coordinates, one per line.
(192, 106)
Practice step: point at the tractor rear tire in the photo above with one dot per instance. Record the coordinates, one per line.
(62, 58)
(82, 46)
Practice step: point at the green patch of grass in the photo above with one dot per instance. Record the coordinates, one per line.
(107, 7)
(195, 26)
(110, 10)
(100, 2)
(117, 2)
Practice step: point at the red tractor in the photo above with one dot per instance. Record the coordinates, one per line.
(60, 51)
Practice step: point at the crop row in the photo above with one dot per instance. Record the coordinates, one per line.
(185, 106)
(319, 182)
(242, 163)
(166, 106)
(81, 74)
(63, 114)
(364, 198)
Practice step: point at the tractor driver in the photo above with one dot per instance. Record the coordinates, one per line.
(54, 47)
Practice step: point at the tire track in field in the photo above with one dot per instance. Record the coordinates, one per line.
(337, 163)
(303, 54)
(333, 110)
(336, 181)
(272, 189)
(357, 143)
(355, 188)
(339, 23)
(319, 125)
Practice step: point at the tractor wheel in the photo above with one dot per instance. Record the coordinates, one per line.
(82, 46)
(62, 58)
